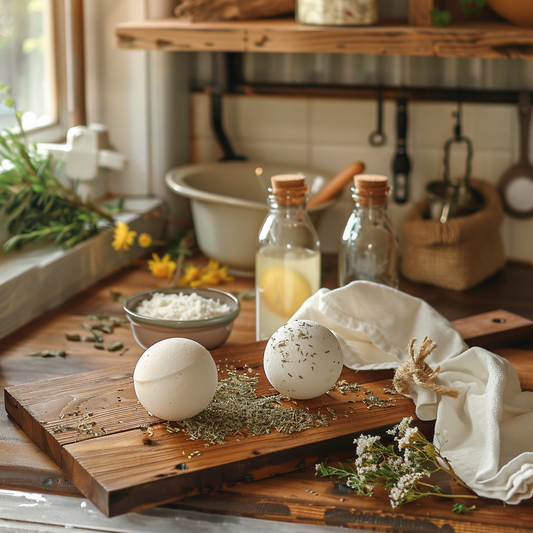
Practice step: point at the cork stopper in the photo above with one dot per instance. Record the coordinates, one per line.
(289, 189)
(371, 189)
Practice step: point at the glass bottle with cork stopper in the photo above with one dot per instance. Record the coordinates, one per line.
(369, 245)
(287, 263)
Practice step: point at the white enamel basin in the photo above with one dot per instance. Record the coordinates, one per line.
(228, 205)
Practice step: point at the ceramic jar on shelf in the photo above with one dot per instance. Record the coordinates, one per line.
(337, 12)
(519, 12)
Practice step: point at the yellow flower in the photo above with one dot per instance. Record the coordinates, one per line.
(162, 267)
(144, 240)
(124, 238)
(212, 274)
(190, 274)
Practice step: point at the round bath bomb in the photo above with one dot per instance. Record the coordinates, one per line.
(303, 359)
(175, 379)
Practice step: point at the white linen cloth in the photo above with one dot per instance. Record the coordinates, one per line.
(488, 429)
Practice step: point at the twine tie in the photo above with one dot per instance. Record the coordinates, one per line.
(418, 372)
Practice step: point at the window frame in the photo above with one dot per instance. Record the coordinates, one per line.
(65, 24)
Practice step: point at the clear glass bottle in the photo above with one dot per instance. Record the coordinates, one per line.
(369, 245)
(287, 263)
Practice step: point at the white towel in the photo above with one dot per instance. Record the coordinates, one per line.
(488, 429)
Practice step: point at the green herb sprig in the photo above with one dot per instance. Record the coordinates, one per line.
(404, 474)
(459, 508)
(34, 205)
(441, 17)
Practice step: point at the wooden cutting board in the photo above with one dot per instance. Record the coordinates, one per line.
(93, 427)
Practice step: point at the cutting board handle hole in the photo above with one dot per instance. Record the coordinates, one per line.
(499, 320)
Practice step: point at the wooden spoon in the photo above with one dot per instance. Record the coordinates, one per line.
(336, 184)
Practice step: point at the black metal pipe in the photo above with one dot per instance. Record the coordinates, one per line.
(430, 94)
(219, 85)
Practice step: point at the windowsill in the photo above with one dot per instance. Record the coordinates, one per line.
(35, 280)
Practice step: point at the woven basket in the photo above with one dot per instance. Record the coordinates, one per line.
(459, 254)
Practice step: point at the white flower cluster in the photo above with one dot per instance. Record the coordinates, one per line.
(364, 443)
(355, 483)
(363, 467)
(400, 491)
(399, 429)
(395, 462)
(407, 438)
(403, 433)
(399, 471)
(407, 454)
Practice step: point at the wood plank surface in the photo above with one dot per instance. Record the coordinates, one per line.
(480, 39)
(119, 472)
(302, 497)
(494, 329)
(121, 468)
(298, 497)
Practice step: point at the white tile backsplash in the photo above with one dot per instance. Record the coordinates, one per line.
(490, 165)
(430, 124)
(489, 126)
(264, 118)
(345, 122)
(294, 153)
(331, 133)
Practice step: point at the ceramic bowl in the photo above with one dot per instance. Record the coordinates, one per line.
(519, 12)
(210, 333)
(228, 204)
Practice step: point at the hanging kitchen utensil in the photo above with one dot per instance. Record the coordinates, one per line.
(516, 184)
(378, 137)
(452, 198)
(401, 165)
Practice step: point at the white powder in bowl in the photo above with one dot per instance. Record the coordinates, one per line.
(181, 307)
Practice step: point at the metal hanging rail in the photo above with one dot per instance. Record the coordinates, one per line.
(429, 94)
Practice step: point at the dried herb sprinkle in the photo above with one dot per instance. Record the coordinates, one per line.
(236, 409)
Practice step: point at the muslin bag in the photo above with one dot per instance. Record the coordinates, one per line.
(486, 432)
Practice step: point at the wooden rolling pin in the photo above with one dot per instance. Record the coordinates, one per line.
(336, 184)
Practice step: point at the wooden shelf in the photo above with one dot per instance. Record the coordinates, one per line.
(480, 39)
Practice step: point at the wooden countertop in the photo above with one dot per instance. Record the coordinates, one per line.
(298, 497)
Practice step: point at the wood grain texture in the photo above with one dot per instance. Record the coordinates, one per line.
(23, 465)
(122, 468)
(495, 329)
(304, 498)
(420, 12)
(297, 497)
(482, 39)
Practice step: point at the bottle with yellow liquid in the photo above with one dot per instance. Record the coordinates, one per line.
(287, 263)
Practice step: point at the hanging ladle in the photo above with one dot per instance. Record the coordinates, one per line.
(516, 185)
(378, 137)
(452, 198)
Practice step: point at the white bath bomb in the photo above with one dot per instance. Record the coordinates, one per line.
(303, 359)
(175, 379)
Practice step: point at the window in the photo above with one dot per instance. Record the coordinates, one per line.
(26, 48)
(41, 59)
